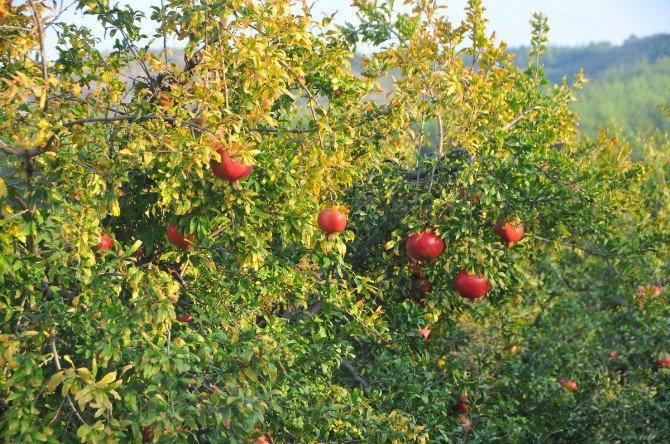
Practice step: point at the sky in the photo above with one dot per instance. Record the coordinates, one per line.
(572, 22)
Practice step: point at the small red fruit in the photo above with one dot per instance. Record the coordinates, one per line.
(471, 286)
(461, 405)
(147, 434)
(650, 290)
(423, 285)
(466, 424)
(425, 332)
(509, 232)
(264, 439)
(185, 318)
(569, 384)
(664, 361)
(228, 168)
(331, 221)
(178, 239)
(461, 408)
(420, 289)
(424, 246)
(613, 356)
(104, 244)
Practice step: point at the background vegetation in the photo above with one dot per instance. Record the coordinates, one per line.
(626, 83)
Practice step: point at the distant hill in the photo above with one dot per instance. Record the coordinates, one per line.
(627, 82)
(599, 59)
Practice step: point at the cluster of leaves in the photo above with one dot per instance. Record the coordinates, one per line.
(296, 336)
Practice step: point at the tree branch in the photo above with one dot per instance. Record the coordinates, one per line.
(54, 352)
(364, 384)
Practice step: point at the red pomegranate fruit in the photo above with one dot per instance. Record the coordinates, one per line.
(423, 285)
(462, 405)
(461, 408)
(104, 244)
(331, 221)
(569, 384)
(419, 291)
(147, 434)
(465, 423)
(264, 439)
(229, 167)
(471, 286)
(424, 246)
(185, 318)
(664, 361)
(509, 231)
(177, 239)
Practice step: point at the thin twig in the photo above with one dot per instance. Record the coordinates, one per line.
(311, 102)
(54, 352)
(364, 384)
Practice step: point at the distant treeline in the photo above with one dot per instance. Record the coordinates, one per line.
(627, 82)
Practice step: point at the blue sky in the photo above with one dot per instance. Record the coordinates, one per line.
(572, 22)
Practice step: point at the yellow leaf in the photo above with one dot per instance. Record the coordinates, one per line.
(3, 188)
(115, 210)
(108, 378)
(53, 382)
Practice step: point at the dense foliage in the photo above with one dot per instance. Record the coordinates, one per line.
(146, 299)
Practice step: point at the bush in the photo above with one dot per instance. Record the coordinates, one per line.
(246, 321)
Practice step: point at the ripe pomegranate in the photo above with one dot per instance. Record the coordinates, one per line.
(264, 439)
(425, 332)
(569, 384)
(331, 221)
(613, 356)
(423, 285)
(644, 293)
(462, 405)
(650, 290)
(471, 286)
(664, 361)
(424, 246)
(178, 239)
(228, 168)
(185, 318)
(147, 434)
(104, 244)
(420, 289)
(466, 424)
(509, 231)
